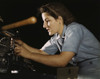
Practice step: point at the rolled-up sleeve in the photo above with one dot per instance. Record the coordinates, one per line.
(73, 38)
(50, 47)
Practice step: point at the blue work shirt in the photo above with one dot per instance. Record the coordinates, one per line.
(75, 38)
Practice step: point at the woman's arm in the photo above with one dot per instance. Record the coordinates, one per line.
(60, 60)
(29, 48)
(37, 55)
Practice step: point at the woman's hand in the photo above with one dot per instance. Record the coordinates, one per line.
(19, 42)
(25, 50)
(20, 49)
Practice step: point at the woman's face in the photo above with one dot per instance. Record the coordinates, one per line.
(51, 24)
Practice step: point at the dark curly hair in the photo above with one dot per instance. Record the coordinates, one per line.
(56, 9)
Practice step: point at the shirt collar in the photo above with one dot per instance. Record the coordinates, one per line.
(64, 30)
(63, 33)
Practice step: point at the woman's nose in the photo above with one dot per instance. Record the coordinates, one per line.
(44, 25)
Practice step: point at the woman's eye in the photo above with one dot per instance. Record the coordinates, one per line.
(47, 20)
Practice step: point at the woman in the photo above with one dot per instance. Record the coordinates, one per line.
(77, 45)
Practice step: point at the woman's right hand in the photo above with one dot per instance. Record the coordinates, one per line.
(19, 42)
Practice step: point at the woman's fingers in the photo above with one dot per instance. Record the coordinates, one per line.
(17, 49)
(19, 42)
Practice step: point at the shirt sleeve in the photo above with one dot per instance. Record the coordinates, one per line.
(50, 47)
(73, 38)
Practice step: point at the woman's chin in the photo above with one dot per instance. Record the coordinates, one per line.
(50, 34)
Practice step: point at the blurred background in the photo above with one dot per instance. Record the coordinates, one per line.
(86, 12)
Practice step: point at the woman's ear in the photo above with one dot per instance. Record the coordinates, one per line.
(60, 19)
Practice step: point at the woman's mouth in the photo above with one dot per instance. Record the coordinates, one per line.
(48, 30)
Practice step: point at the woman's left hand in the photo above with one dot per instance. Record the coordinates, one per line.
(21, 51)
